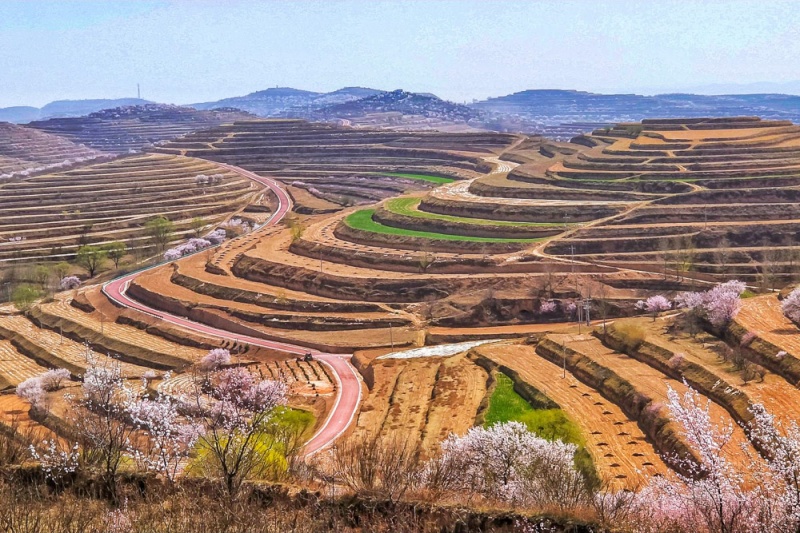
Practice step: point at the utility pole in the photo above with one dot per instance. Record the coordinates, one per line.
(579, 305)
(587, 305)
(391, 335)
(138, 92)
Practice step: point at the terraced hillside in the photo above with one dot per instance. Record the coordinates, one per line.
(711, 196)
(83, 328)
(382, 275)
(327, 166)
(122, 129)
(24, 151)
(50, 216)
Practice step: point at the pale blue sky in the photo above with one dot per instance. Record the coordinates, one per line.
(185, 51)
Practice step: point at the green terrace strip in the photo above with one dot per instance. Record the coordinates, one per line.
(423, 177)
(409, 207)
(362, 220)
(505, 405)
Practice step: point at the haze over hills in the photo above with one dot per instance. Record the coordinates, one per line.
(554, 107)
(559, 114)
(64, 108)
(278, 101)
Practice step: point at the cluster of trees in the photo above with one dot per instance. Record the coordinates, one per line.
(225, 420)
(228, 421)
(92, 257)
(718, 305)
(716, 495)
(187, 248)
(37, 282)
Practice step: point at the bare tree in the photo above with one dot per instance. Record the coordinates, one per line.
(104, 429)
(236, 442)
(723, 255)
(377, 467)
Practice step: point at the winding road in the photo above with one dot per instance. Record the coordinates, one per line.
(348, 386)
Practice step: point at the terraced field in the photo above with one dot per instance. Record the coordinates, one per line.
(459, 235)
(50, 216)
(421, 400)
(713, 196)
(341, 165)
(620, 450)
(383, 273)
(122, 129)
(24, 151)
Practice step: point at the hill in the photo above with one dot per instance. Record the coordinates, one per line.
(403, 102)
(64, 108)
(122, 129)
(19, 114)
(403, 110)
(284, 101)
(23, 150)
(561, 113)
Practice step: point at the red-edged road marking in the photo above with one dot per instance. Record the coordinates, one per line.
(348, 385)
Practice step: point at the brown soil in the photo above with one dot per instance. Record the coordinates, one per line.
(618, 447)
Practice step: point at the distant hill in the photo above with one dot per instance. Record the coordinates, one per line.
(404, 102)
(78, 108)
(19, 114)
(64, 108)
(126, 128)
(282, 101)
(556, 111)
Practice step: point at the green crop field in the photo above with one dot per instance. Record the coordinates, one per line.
(505, 405)
(362, 220)
(408, 207)
(423, 177)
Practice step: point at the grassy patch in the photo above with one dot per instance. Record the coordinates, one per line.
(439, 180)
(408, 207)
(506, 405)
(362, 220)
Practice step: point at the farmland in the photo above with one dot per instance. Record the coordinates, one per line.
(51, 215)
(131, 128)
(385, 241)
(26, 150)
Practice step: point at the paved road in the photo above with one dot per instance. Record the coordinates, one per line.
(348, 387)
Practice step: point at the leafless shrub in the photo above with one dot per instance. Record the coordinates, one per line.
(376, 467)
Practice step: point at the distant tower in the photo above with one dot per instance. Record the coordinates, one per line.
(138, 92)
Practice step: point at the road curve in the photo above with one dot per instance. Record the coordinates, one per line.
(348, 385)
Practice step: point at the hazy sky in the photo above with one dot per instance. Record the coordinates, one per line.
(185, 51)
